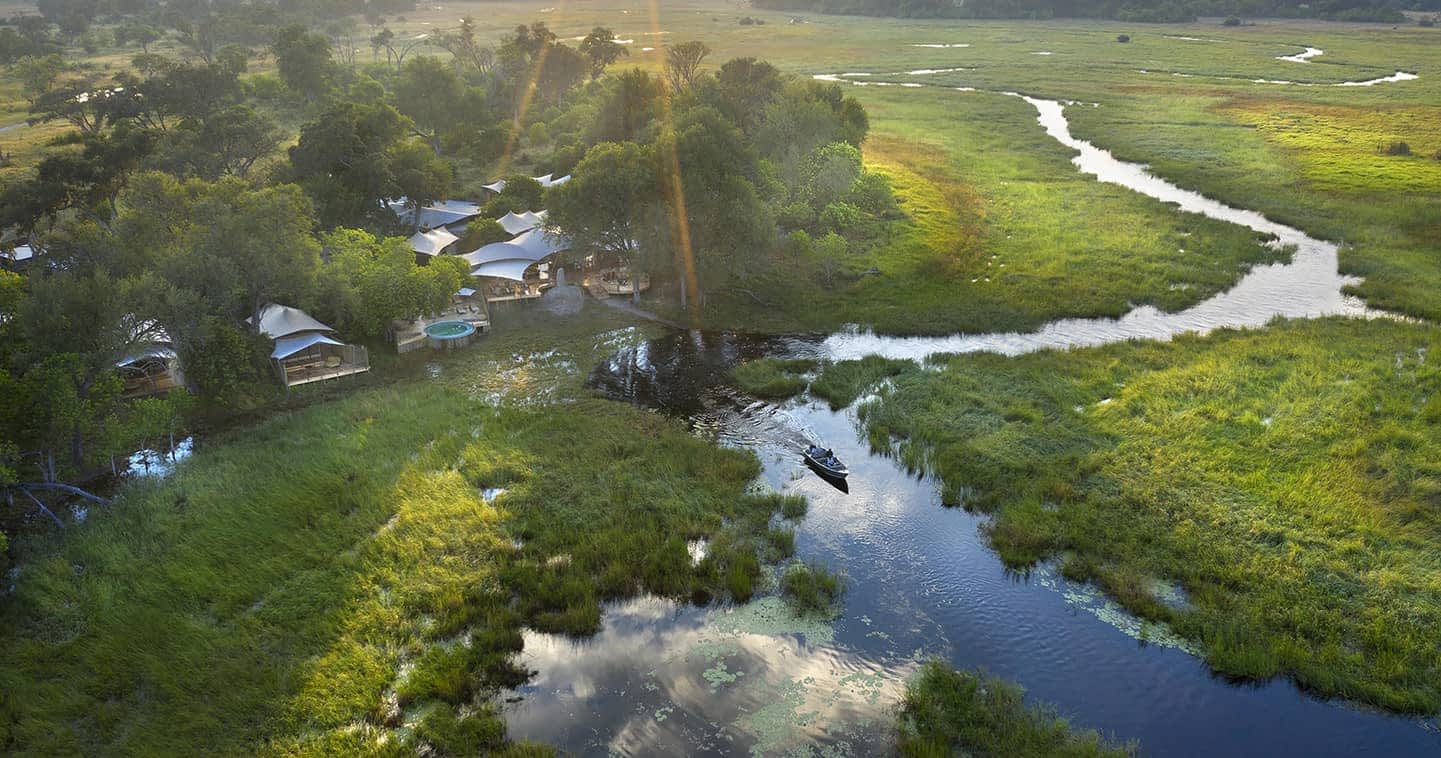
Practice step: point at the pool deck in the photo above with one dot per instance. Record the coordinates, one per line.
(411, 336)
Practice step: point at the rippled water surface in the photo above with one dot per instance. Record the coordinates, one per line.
(921, 583)
(667, 679)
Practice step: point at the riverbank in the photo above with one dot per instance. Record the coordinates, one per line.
(1268, 494)
(353, 577)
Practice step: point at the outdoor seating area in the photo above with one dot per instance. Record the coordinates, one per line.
(613, 282)
(304, 351)
(327, 359)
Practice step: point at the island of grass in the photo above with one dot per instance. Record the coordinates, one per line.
(948, 712)
(1284, 480)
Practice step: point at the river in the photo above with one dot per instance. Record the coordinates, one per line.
(667, 678)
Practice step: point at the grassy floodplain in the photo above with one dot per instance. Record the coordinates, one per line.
(1286, 480)
(352, 578)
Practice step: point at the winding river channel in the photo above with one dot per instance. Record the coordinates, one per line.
(676, 679)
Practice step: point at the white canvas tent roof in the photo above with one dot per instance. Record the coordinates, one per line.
(496, 251)
(515, 223)
(510, 268)
(545, 180)
(443, 213)
(20, 253)
(154, 351)
(529, 246)
(431, 242)
(288, 346)
(277, 321)
(541, 242)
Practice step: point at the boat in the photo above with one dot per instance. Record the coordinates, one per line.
(826, 461)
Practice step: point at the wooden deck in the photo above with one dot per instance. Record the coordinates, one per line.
(306, 375)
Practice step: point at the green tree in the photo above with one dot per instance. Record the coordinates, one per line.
(522, 193)
(610, 202)
(303, 58)
(600, 49)
(630, 108)
(342, 161)
(367, 282)
(432, 95)
(682, 61)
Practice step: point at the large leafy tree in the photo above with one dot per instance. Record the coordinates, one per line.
(435, 98)
(600, 49)
(610, 203)
(343, 161)
(303, 58)
(367, 282)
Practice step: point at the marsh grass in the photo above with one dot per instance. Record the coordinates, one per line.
(267, 595)
(948, 712)
(811, 589)
(773, 378)
(841, 383)
(1286, 479)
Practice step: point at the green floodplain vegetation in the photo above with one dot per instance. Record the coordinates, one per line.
(371, 586)
(364, 594)
(1285, 480)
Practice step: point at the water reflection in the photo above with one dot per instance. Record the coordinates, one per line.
(921, 582)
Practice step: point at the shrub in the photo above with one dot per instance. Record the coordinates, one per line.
(811, 589)
(1232, 21)
(1396, 148)
(1426, 22)
(1123, 38)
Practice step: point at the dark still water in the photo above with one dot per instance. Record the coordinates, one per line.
(662, 678)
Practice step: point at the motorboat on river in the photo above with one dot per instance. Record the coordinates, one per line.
(826, 461)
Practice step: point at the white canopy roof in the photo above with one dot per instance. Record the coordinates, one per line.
(288, 346)
(496, 251)
(510, 268)
(515, 223)
(546, 180)
(277, 321)
(20, 253)
(153, 351)
(465, 292)
(431, 242)
(541, 243)
(530, 246)
(443, 213)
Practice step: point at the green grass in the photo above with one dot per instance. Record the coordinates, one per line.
(1287, 479)
(812, 589)
(304, 585)
(948, 712)
(841, 383)
(773, 378)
